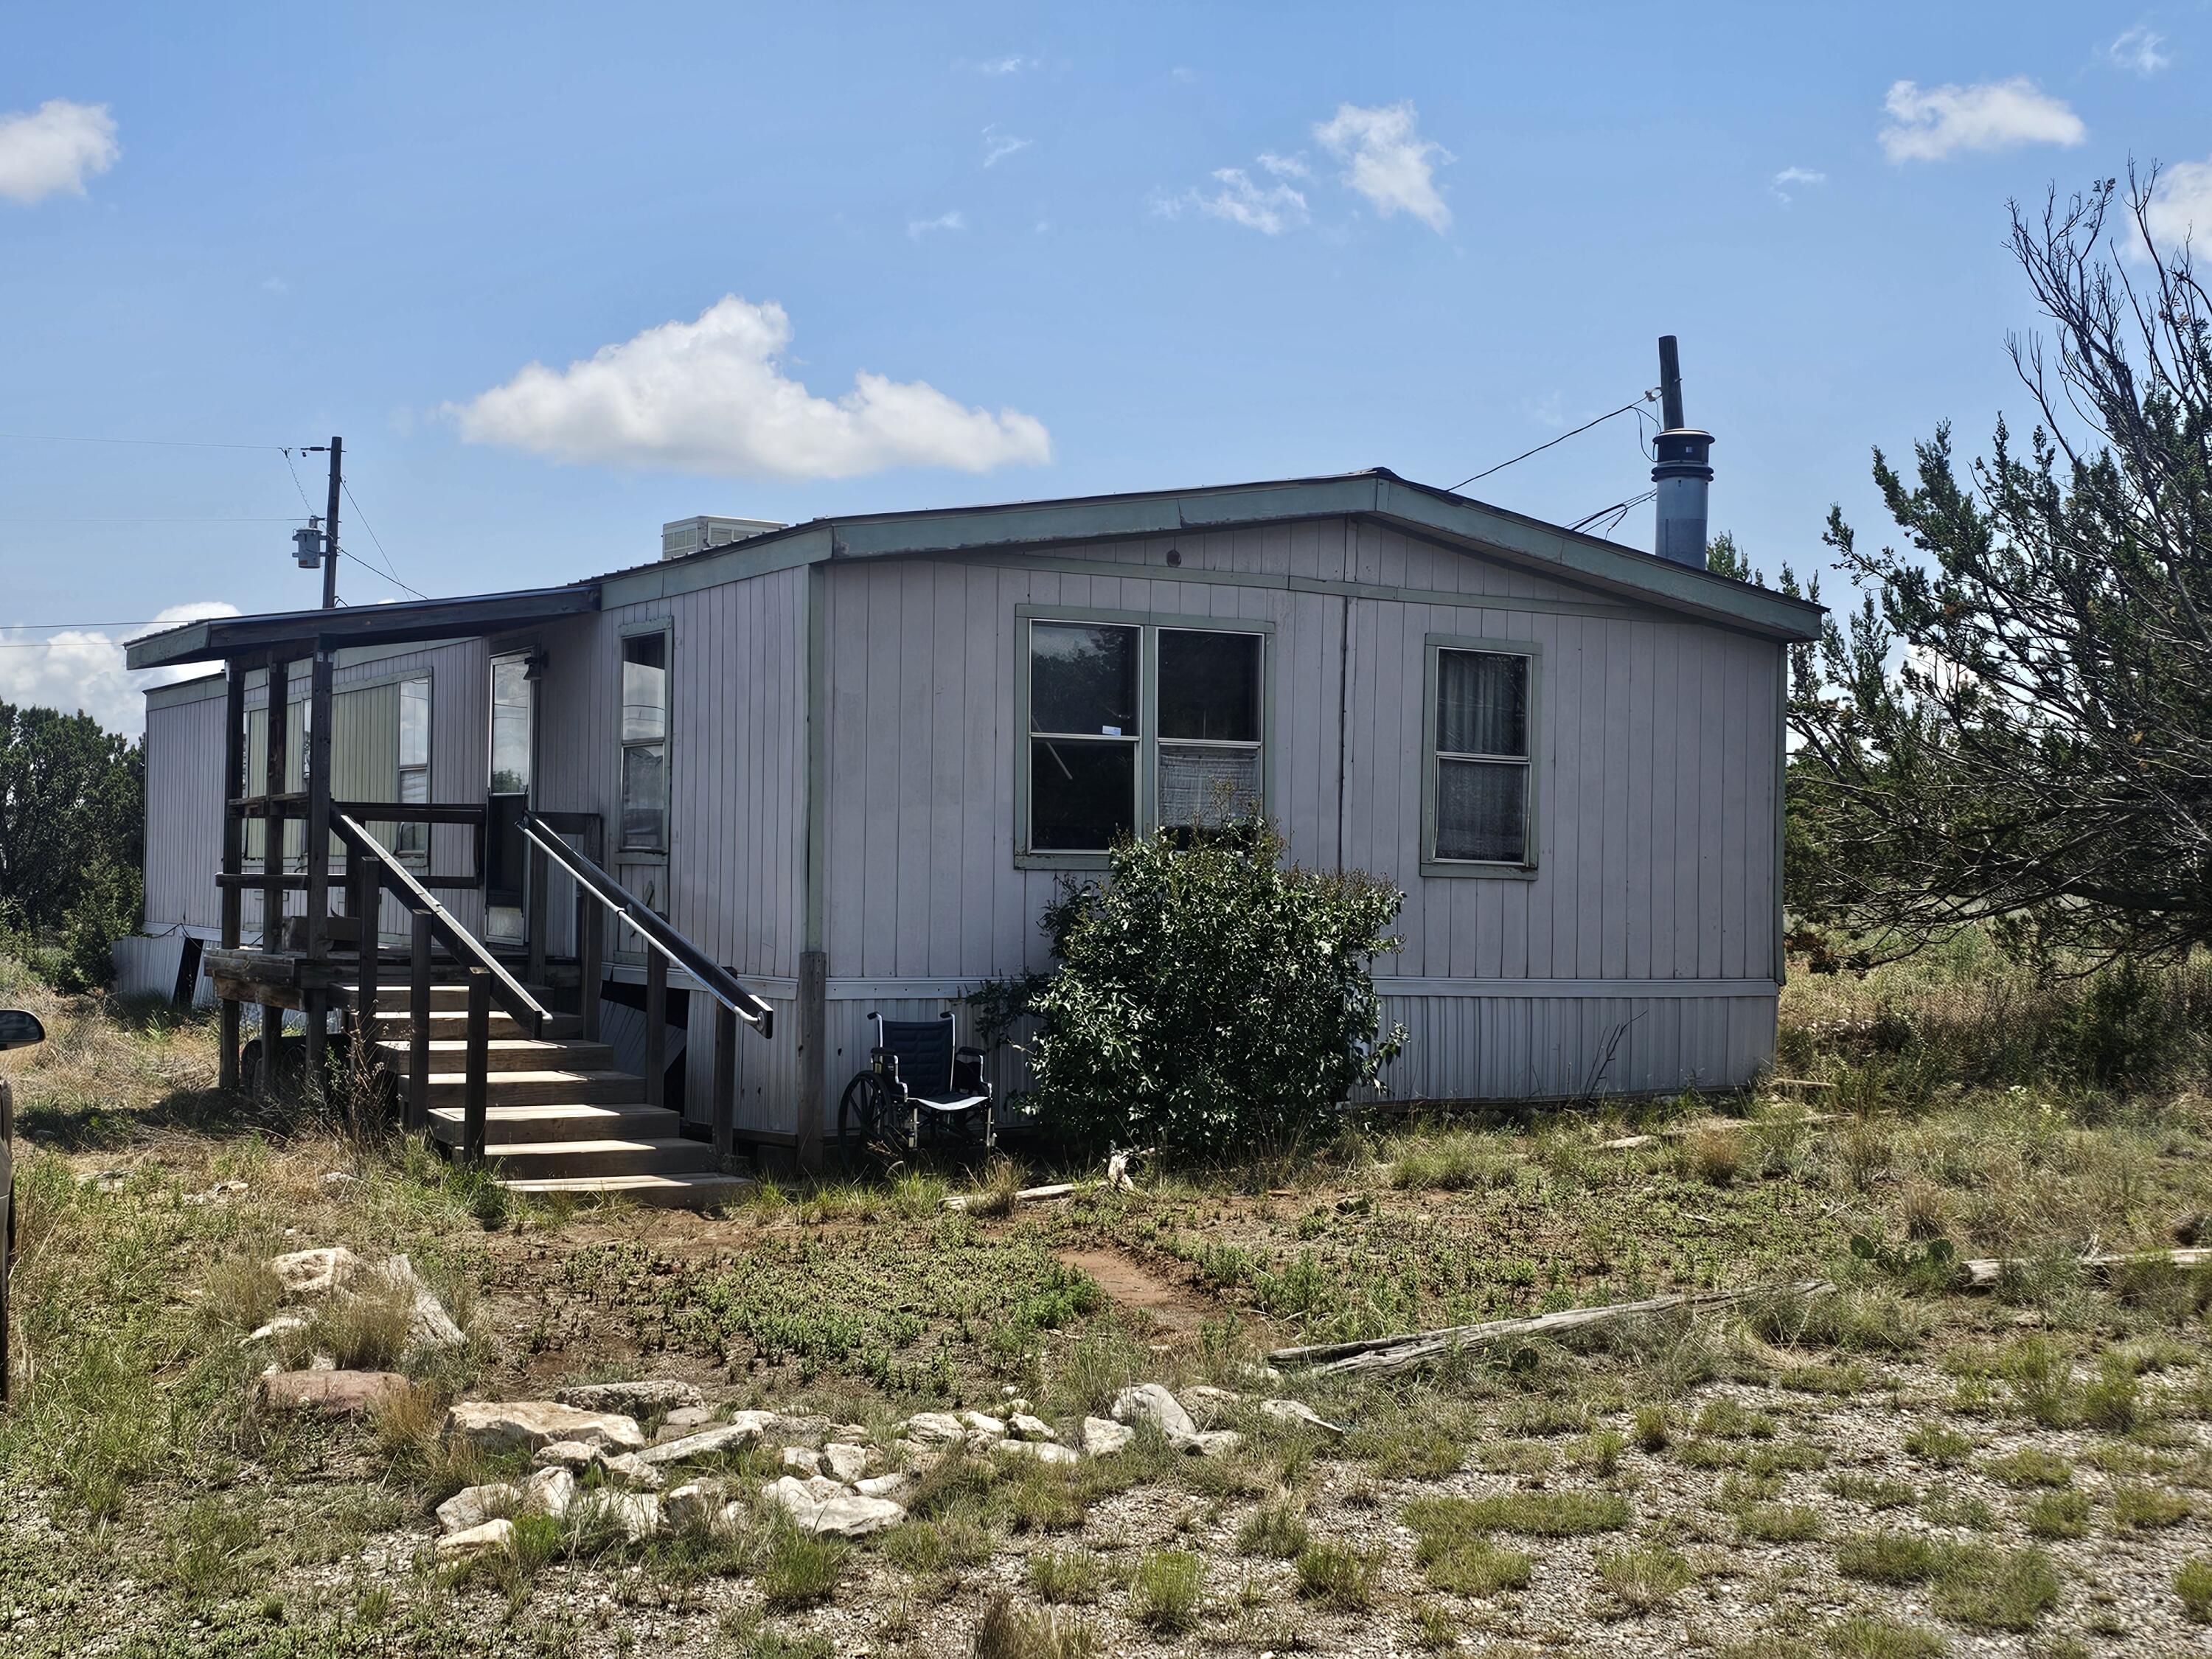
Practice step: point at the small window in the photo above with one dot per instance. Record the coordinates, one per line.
(412, 841)
(1209, 755)
(1481, 791)
(1082, 736)
(645, 743)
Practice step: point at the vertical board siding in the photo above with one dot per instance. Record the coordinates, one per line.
(184, 813)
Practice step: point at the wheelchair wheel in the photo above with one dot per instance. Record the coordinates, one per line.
(864, 1127)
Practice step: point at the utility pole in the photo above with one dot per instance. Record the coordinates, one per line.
(336, 448)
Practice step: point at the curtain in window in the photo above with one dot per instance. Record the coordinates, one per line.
(1482, 703)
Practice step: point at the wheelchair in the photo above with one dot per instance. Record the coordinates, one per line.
(920, 1087)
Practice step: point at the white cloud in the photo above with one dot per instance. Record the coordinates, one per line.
(1270, 209)
(1183, 73)
(711, 396)
(1937, 122)
(276, 285)
(2141, 49)
(1285, 166)
(2181, 207)
(1387, 161)
(1012, 63)
(52, 150)
(918, 228)
(1789, 180)
(81, 669)
(997, 145)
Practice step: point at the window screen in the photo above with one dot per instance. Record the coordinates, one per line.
(1209, 715)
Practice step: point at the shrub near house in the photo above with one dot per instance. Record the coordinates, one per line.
(1210, 997)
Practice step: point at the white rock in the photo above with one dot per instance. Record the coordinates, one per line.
(429, 1324)
(846, 1462)
(471, 1507)
(801, 1460)
(536, 1423)
(1102, 1436)
(742, 1429)
(686, 1418)
(1045, 1451)
(632, 1399)
(695, 1501)
(632, 1470)
(991, 1428)
(1297, 1411)
(1026, 1427)
(884, 1485)
(637, 1513)
(1148, 1402)
(549, 1491)
(1218, 1443)
(850, 1516)
(487, 1540)
(1208, 1404)
(934, 1429)
(277, 1326)
(316, 1271)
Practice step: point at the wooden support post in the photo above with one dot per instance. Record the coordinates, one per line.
(277, 711)
(813, 1043)
(364, 897)
(590, 939)
(535, 912)
(474, 1084)
(316, 844)
(272, 1040)
(234, 845)
(418, 1023)
(314, 1043)
(656, 1027)
(725, 1083)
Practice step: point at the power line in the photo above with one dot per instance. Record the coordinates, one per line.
(1617, 511)
(1645, 399)
(385, 574)
(164, 518)
(26, 627)
(390, 570)
(155, 443)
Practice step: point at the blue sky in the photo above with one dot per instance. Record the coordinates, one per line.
(985, 252)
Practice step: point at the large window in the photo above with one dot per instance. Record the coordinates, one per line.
(1480, 786)
(645, 743)
(1084, 735)
(1134, 725)
(412, 841)
(1208, 764)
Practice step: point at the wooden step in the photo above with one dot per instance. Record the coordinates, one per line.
(541, 1088)
(690, 1191)
(565, 1121)
(503, 1054)
(538, 1160)
(395, 1025)
(394, 994)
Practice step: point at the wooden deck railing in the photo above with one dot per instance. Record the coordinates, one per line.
(663, 945)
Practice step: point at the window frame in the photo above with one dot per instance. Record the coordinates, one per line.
(665, 627)
(416, 856)
(1526, 868)
(1148, 625)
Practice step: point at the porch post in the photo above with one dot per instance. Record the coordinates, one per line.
(813, 1056)
(273, 824)
(656, 1027)
(233, 845)
(725, 1083)
(315, 1002)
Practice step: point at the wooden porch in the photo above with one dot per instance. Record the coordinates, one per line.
(495, 1051)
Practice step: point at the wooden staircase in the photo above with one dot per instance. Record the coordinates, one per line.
(558, 1118)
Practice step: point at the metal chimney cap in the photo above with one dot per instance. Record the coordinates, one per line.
(1683, 452)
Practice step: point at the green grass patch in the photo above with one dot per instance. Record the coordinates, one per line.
(1337, 1576)
(1164, 1591)
(1992, 1589)
(1643, 1578)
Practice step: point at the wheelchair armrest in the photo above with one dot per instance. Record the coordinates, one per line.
(968, 1071)
(885, 1065)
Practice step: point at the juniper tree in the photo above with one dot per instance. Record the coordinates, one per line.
(2015, 725)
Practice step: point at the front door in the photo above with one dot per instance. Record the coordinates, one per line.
(513, 754)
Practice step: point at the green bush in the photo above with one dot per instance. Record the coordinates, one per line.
(1210, 998)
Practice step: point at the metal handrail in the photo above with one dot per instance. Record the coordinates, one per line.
(716, 980)
(525, 1010)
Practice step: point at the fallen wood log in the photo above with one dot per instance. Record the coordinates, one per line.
(1027, 1196)
(1397, 1353)
(1986, 1273)
(1630, 1143)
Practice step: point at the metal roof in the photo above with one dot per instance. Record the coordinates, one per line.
(1378, 495)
